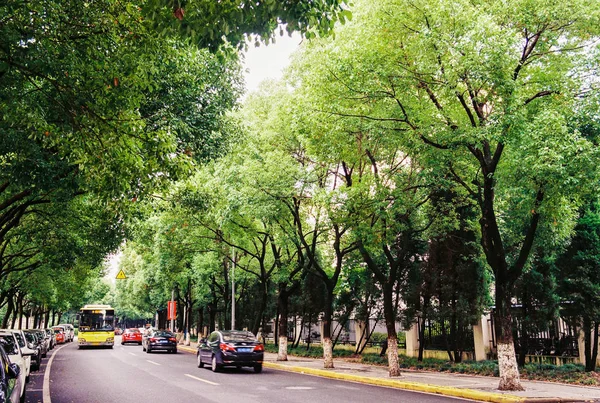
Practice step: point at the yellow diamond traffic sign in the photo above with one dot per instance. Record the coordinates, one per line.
(121, 275)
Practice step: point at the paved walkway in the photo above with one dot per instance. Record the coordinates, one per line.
(480, 388)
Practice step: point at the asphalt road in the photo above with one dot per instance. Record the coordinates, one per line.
(126, 373)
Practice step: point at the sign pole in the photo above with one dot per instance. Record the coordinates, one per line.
(171, 313)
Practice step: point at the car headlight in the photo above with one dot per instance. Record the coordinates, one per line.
(81, 340)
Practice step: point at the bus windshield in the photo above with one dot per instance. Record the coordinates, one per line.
(96, 319)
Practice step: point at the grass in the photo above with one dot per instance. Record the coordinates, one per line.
(568, 373)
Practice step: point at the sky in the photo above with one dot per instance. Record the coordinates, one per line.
(269, 61)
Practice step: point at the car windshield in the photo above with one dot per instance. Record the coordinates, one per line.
(9, 344)
(30, 337)
(238, 336)
(163, 333)
(132, 331)
(20, 339)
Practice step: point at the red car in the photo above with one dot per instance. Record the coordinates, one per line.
(131, 336)
(60, 335)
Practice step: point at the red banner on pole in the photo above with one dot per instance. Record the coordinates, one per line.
(171, 310)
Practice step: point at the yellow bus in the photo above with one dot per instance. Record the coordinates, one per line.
(96, 326)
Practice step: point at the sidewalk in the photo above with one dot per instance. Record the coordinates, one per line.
(480, 388)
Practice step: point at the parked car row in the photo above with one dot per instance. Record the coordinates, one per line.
(22, 351)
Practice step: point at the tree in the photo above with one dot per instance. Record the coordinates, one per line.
(579, 279)
(454, 286)
(212, 24)
(487, 91)
(113, 130)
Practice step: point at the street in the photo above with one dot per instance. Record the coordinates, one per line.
(125, 373)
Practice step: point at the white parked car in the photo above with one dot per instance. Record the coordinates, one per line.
(26, 352)
(12, 349)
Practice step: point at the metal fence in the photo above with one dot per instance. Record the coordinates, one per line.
(434, 338)
(557, 338)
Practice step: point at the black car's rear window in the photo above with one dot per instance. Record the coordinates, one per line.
(162, 333)
(238, 336)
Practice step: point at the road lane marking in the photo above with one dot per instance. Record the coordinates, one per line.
(132, 354)
(152, 362)
(46, 387)
(202, 380)
(299, 388)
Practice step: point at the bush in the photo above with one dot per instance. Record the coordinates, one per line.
(377, 337)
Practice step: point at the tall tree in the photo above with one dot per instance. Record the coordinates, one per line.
(486, 90)
(579, 279)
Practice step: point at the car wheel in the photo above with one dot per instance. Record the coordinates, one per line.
(140, 343)
(200, 363)
(214, 366)
(258, 368)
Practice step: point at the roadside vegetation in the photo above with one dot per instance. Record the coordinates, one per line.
(432, 160)
(567, 373)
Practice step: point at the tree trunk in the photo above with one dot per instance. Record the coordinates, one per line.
(587, 333)
(47, 318)
(327, 352)
(200, 323)
(507, 360)
(392, 337)
(276, 327)
(446, 341)
(9, 310)
(298, 337)
(327, 342)
(421, 330)
(392, 351)
(20, 307)
(595, 348)
(282, 302)
(261, 308)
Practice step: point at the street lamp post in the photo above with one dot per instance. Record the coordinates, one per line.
(233, 290)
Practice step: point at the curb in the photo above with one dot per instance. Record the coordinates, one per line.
(414, 386)
(417, 387)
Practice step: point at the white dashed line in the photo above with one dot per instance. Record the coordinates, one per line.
(132, 354)
(152, 362)
(201, 380)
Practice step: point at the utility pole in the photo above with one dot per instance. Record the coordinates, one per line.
(233, 290)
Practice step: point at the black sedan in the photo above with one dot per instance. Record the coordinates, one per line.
(160, 340)
(231, 348)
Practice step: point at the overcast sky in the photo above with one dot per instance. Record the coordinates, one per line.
(269, 61)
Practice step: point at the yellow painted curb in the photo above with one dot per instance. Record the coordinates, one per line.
(187, 349)
(393, 383)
